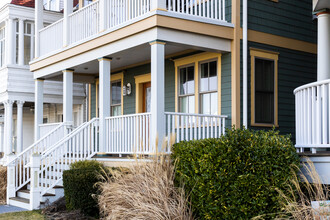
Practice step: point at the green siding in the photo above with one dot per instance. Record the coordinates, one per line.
(93, 101)
(129, 101)
(287, 18)
(294, 69)
(228, 10)
(226, 87)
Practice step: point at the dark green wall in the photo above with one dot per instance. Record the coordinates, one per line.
(228, 10)
(287, 18)
(226, 87)
(294, 69)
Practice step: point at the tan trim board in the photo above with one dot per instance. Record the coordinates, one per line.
(89, 102)
(279, 41)
(235, 67)
(139, 80)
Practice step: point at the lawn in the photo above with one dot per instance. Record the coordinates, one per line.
(29, 215)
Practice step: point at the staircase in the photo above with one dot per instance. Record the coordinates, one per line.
(35, 175)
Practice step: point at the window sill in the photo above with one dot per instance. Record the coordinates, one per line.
(264, 125)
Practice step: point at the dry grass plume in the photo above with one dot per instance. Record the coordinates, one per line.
(3, 184)
(144, 191)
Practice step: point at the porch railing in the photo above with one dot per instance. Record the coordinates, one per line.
(51, 37)
(20, 162)
(86, 22)
(313, 116)
(194, 126)
(212, 9)
(129, 134)
(46, 128)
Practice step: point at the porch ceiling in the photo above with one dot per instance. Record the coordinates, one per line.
(320, 5)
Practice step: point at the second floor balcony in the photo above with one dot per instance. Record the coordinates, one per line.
(105, 16)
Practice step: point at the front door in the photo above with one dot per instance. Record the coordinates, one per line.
(146, 97)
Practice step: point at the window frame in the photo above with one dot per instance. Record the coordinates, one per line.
(121, 94)
(265, 55)
(190, 94)
(26, 23)
(196, 60)
(113, 78)
(3, 42)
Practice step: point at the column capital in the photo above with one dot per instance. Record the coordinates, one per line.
(68, 70)
(157, 42)
(105, 59)
(322, 13)
(39, 79)
(8, 102)
(20, 103)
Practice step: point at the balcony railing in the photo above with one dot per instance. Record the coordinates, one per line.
(313, 116)
(87, 22)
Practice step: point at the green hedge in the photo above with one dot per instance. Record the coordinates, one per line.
(235, 176)
(79, 186)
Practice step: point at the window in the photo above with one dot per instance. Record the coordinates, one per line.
(198, 84)
(16, 40)
(187, 89)
(116, 100)
(28, 42)
(52, 5)
(116, 91)
(2, 46)
(263, 88)
(209, 88)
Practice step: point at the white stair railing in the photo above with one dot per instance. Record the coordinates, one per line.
(188, 127)
(46, 128)
(80, 144)
(128, 134)
(211, 9)
(20, 162)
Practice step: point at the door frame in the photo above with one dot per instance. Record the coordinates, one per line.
(139, 81)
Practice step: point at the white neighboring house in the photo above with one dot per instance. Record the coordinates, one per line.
(17, 82)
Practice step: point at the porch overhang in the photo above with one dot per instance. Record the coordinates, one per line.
(189, 34)
(319, 5)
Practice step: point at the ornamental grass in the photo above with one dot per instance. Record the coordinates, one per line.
(145, 190)
(3, 184)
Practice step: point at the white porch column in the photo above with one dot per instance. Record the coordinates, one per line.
(1, 138)
(157, 92)
(104, 98)
(9, 127)
(323, 46)
(21, 42)
(158, 5)
(38, 107)
(10, 47)
(67, 95)
(68, 9)
(19, 126)
(5, 127)
(39, 24)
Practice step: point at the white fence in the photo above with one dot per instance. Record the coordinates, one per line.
(84, 23)
(212, 9)
(51, 37)
(313, 116)
(194, 126)
(80, 144)
(22, 171)
(128, 134)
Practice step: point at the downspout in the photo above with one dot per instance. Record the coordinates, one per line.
(245, 63)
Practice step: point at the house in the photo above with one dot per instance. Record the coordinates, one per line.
(17, 82)
(157, 67)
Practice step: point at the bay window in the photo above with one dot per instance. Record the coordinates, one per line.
(2, 46)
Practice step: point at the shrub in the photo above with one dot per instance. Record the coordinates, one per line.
(80, 185)
(144, 191)
(3, 184)
(235, 176)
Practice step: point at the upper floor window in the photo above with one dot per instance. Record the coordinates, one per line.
(187, 89)
(28, 42)
(264, 88)
(2, 46)
(52, 5)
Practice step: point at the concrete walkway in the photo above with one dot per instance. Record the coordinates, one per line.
(10, 208)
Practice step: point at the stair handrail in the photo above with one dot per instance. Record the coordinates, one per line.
(62, 150)
(38, 142)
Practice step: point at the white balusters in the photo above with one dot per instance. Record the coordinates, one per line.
(52, 33)
(313, 116)
(194, 126)
(129, 134)
(79, 145)
(211, 9)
